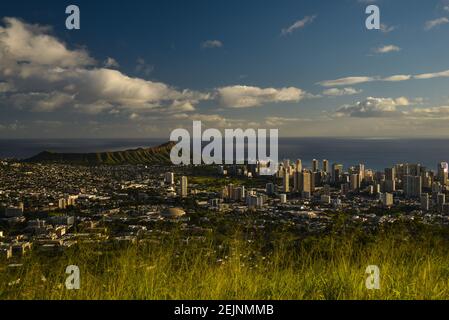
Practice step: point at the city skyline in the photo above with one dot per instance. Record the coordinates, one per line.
(309, 69)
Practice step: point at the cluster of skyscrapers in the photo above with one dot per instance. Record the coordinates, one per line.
(411, 181)
(169, 179)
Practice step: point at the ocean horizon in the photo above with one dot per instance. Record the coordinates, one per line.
(375, 153)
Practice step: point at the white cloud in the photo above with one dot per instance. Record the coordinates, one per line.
(48, 76)
(435, 23)
(353, 80)
(209, 44)
(441, 74)
(27, 43)
(299, 24)
(341, 92)
(392, 108)
(246, 97)
(387, 49)
(346, 81)
(397, 78)
(436, 113)
(374, 108)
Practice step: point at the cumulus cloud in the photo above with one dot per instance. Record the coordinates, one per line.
(392, 108)
(374, 108)
(45, 75)
(434, 113)
(387, 49)
(209, 44)
(341, 92)
(24, 42)
(435, 23)
(246, 96)
(298, 24)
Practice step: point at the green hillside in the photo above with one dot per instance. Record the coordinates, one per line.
(155, 155)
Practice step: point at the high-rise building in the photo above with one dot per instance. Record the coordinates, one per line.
(287, 166)
(443, 171)
(296, 175)
(412, 186)
(354, 182)
(344, 189)
(298, 166)
(387, 199)
(377, 188)
(390, 180)
(436, 187)
(325, 166)
(315, 165)
(389, 185)
(425, 202)
(390, 173)
(305, 181)
(236, 194)
(413, 169)
(251, 201)
(254, 201)
(361, 172)
(184, 187)
(337, 171)
(318, 179)
(441, 201)
(286, 181)
(407, 169)
(427, 179)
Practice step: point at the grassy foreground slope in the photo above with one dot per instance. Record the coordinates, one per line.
(414, 264)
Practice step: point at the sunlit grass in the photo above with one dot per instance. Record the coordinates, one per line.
(327, 267)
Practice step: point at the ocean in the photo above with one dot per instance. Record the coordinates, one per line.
(374, 153)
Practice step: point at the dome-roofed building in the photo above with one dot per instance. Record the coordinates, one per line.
(173, 213)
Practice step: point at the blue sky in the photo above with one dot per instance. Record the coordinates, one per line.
(143, 68)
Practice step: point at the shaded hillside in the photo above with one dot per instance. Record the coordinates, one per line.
(155, 155)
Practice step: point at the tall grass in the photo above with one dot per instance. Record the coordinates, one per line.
(332, 266)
